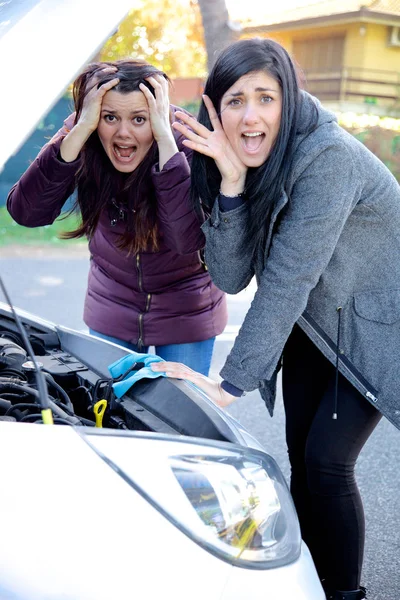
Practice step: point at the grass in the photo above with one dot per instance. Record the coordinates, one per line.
(11, 233)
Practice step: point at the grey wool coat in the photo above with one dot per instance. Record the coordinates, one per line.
(333, 241)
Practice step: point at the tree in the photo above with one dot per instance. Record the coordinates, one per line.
(167, 33)
(219, 31)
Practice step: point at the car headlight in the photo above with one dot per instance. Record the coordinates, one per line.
(231, 500)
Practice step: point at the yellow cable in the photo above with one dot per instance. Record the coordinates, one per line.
(47, 416)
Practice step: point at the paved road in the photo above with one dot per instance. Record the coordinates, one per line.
(53, 286)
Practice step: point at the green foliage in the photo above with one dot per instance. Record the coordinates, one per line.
(11, 233)
(384, 143)
(381, 135)
(193, 107)
(167, 33)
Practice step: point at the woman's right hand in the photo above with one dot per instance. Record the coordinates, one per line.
(89, 118)
(214, 144)
(210, 387)
(91, 108)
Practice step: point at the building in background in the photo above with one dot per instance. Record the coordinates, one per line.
(348, 51)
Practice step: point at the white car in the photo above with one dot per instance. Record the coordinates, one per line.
(158, 494)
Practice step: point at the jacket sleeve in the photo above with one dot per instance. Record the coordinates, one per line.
(180, 224)
(320, 203)
(38, 197)
(228, 261)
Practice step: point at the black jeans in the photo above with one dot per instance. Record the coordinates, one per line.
(322, 454)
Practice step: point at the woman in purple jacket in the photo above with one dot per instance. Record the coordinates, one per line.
(147, 284)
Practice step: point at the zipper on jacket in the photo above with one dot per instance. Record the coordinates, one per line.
(148, 302)
(360, 384)
(140, 316)
(335, 410)
(140, 342)
(139, 272)
(202, 260)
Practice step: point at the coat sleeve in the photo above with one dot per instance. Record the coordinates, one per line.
(229, 262)
(38, 197)
(180, 224)
(319, 206)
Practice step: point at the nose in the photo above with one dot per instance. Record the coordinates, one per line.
(251, 115)
(124, 129)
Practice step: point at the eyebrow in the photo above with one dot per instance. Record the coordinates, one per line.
(133, 112)
(258, 89)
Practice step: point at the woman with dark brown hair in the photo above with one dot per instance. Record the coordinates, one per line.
(147, 284)
(303, 206)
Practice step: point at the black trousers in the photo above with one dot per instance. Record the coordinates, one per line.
(322, 453)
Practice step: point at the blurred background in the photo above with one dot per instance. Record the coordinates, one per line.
(347, 52)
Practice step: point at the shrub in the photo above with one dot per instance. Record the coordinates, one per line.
(381, 135)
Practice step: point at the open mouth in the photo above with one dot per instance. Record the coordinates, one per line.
(124, 153)
(252, 141)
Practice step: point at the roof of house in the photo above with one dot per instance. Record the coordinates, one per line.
(308, 11)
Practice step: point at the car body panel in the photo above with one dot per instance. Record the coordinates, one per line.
(74, 529)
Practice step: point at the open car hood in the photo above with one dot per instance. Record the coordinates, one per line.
(46, 43)
(163, 406)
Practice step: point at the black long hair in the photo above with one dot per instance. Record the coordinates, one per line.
(98, 182)
(264, 184)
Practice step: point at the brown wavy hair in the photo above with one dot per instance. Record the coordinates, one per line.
(99, 185)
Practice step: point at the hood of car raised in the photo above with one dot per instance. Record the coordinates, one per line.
(44, 44)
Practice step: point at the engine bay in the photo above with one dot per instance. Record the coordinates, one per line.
(80, 391)
(73, 398)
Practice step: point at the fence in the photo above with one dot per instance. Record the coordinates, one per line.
(354, 84)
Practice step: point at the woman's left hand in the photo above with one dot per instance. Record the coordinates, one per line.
(159, 109)
(210, 387)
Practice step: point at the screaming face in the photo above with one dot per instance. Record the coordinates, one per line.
(124, 129)
(251, 116)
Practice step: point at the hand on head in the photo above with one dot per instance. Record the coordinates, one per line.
(210, 387)
(158, 106)
(215, 145)
(91, 108)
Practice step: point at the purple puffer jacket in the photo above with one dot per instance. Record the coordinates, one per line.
(150, 298)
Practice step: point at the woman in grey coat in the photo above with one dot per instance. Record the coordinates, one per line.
(298, 202)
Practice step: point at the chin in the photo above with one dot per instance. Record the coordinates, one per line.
(127, 169)
(254, 163)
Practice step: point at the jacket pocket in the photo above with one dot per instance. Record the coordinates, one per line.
(380, 306)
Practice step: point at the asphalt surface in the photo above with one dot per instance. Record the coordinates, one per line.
(52, 284)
